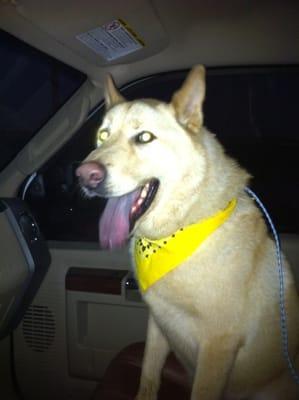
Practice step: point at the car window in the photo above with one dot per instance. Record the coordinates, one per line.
(253, 112)
(33, 86)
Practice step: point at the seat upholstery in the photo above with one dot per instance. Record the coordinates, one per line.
(122, 377)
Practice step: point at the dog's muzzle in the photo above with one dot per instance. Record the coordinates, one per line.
(91, 174)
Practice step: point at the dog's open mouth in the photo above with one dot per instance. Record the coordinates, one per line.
(121, 214)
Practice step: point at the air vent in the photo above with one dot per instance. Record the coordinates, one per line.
(39, 328)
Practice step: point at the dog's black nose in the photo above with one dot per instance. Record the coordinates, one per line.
(91, 174)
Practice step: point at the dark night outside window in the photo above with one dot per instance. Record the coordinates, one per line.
(33, 86)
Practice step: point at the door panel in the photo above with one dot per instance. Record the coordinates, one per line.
(74, 326)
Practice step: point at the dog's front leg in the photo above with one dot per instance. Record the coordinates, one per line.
(214, 365)
(156, 351)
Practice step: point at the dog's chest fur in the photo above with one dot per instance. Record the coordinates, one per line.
(179, 328)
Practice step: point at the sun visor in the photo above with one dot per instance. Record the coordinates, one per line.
(106, 33)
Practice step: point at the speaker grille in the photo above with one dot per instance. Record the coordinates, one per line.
(39, 328)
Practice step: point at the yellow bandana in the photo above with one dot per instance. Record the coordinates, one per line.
(155, 258)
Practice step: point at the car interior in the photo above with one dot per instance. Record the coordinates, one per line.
(72, 321)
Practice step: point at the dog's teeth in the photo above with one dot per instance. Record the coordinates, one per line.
(134, 209)
(143, 193)
(139, 202)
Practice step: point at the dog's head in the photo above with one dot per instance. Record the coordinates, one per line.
(149, 162)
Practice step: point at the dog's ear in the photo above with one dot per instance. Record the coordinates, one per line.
(188, 100)
(112, 95)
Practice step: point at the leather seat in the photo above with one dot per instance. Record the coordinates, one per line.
(122, 377)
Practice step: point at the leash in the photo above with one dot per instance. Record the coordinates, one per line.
(283, 313)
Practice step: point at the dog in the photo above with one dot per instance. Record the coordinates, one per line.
(203, 258)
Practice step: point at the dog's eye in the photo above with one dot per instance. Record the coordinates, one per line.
(144, 137)
(102, 136)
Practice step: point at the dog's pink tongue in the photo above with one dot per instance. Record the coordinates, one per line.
(114, 227)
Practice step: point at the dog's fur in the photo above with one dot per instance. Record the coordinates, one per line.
(219, 311)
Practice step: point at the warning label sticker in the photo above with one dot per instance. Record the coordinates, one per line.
(112, 40)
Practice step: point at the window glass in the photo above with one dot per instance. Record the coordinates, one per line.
(252, 111)
(33, 86)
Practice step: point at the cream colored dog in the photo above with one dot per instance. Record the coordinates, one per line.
(215, 300)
